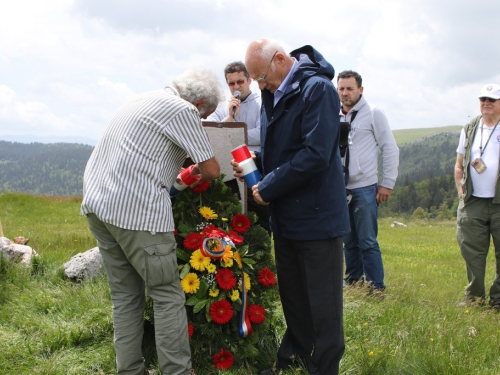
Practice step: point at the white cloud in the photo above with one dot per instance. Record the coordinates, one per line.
(67, 65)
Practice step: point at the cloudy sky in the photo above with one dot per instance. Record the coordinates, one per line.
(67, 65)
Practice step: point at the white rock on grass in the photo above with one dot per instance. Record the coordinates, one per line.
(16, 253)
(85, 265)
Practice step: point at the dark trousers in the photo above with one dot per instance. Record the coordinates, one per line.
(311, 286)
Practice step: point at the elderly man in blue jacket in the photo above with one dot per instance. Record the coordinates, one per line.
(304, 185)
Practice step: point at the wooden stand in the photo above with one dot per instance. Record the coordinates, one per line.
(225, 136)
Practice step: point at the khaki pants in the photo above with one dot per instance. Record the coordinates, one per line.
(477, 221)
(134, 260)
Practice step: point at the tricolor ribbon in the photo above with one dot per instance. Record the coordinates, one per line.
(245, 327)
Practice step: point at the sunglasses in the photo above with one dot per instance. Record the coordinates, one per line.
(488, 99)
(239, 82)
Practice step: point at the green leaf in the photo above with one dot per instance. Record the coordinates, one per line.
(248, 261)
(192, 301)
(184, 270)
(202, 292)
(182, 254)
(199, 306)
(184, 228)
(207, 313)
(243, 250)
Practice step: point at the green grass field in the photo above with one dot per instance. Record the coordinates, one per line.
(409, 135)
(49, 325)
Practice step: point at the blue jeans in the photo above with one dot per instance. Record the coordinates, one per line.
(361, 249)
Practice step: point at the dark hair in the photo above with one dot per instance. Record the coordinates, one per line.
(236, 67)
(349, 74)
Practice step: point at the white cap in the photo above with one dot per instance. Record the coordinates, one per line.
(491, 90)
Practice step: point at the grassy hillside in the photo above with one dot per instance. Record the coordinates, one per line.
(49, 325)
(403, 136)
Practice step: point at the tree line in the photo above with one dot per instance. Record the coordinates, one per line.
(425, 182)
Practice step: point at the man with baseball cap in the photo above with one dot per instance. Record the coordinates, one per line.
(478, 215)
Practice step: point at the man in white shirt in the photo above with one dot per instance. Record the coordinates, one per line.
(476, 178)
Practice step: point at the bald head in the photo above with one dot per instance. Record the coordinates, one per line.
(268, 63)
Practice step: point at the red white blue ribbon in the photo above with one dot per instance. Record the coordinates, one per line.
(245, 327)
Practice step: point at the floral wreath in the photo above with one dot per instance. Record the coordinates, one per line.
(227, 273)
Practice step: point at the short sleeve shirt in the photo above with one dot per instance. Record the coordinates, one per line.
(483, 184)
(129, 174)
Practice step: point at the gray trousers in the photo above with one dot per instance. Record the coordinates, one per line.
(477, 221)
(134, 260)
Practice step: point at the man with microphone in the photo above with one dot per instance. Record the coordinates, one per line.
(244, 106)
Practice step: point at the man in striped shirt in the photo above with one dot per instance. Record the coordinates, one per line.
(127, 204)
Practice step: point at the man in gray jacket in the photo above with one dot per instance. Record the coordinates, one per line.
(244, 107)
(369, 132)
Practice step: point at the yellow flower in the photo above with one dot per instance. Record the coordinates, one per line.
(211, 268)
(228, 263)
(190, 283)
(235, 296)
(432, 339)
(371, 354)
(223, 218)
(366, 323)
(466, 311)
(228, 253)
(236, 256)
(198, 261)
(207, 213)
(213, 293)
(247, 282)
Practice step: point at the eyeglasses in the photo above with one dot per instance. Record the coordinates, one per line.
(488, 99)
(263, 78)
(239, 82)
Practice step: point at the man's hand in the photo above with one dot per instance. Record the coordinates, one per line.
(234, 103)
(383, 194)
(238, 171)
(257, 197)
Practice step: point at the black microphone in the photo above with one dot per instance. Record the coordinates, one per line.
(237, 96)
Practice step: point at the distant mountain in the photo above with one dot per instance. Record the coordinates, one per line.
(410, 135)
(37, 168)
(427, 157)
(425, 178)
(48, 139)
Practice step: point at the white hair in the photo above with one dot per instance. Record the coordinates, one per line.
(200, 84)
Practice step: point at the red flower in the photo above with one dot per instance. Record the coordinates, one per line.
(256, 314)
(212, 231)
(175, 231)
(221, 311)
(193, 241)
(266, 277)
(201, 187)
(235, 237)
(190, 329)
(223, 360)
(240, 223)
(225, 278)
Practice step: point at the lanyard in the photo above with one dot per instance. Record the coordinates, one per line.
(481, 149)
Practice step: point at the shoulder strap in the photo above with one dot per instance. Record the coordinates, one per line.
(345, 128)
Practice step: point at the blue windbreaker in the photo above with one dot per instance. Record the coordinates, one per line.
(299, 158)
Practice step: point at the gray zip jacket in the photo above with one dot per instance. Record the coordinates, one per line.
(249, 113)
(370, 131)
